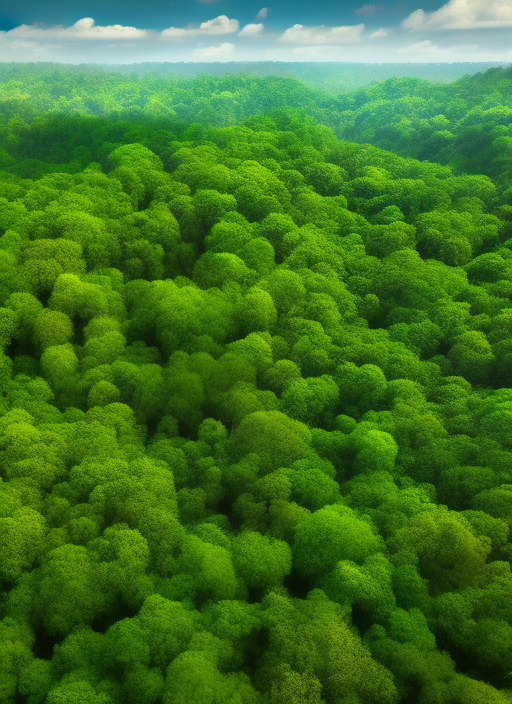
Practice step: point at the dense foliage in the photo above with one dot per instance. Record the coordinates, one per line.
(334, 76)
(465, 124)
(255, 430)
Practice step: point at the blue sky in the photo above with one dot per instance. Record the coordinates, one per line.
(126, 31)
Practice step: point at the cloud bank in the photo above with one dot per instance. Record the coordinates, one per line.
(220, 25)
(379, 33)
(298, 34)
(463, 14)
(215, 53)
(83, 29)
(459, 30)
(250, 30)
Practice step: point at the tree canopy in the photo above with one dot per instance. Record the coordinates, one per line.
(255, 418)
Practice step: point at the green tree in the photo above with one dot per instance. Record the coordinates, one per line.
(310, 400)
(471, 356)
(262, 562)
(329, 535)
(194, 678)
(449, 554)
(67, 571)
(76, 691)
(275, 438)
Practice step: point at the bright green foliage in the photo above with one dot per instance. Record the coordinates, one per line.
(472, 357)
(52, 328)
(234, 621)
(16, 642)
(312, 483)
(291, 686)
(75, 692)
(36, 680)
(368, 586)
(313, 638)
(275, 438)
(360, 387)
(67, 592)
(331, 534)
(210, 206)
(375, 450)
(22, 539)
(448, 552)
(60, 366)
(211, 566)
(260, 561)
(193, 678)
(286, 289)
(255, 425)
(308, 399)
(281, 375)
(167, 628)
(142, 685)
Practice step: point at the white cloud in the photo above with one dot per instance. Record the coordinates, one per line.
(27, 47)
(178, 33)
(379, 33)
(215, 53)
(83, 29)
(463, 14)
(369, 9)
(419, 46)
(322, 35)
(22, 45)
(426, 50)
(414, 20)
(219, 25)
(262, 13)
(251, 29)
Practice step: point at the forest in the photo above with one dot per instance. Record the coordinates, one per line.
(255, 403)
(334, 76)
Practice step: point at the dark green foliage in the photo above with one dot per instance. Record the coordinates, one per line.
(255, 426)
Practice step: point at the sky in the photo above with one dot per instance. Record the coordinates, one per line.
(131, 31)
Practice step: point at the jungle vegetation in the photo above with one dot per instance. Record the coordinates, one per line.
(334, 76)
(255, 420)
